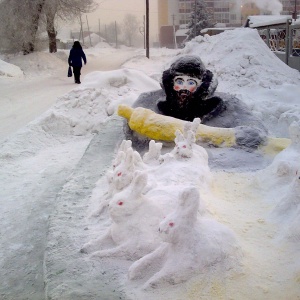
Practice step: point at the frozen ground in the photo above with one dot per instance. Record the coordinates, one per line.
(53, 178)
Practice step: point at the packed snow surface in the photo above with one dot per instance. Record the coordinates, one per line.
(85, 213)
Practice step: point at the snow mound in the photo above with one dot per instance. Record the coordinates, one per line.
(39, 63)
(93, 39)
(102, 45)
(240, 55)
(10, 70)
(122, 86)
(79, 112)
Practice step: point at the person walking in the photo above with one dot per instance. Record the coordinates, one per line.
(75, 60)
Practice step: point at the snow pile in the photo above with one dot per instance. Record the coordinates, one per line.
(10, 70)
(102, 44)
(39, 63)
(240, 55)
(121, 86)
(92, 39)
(280, 183)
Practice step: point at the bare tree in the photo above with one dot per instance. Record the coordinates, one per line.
(130, 28)
(64, 10)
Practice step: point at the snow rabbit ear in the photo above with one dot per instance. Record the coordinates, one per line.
(188, 202)
(119, 158)
(126, 144)
(195, 125)
(154, 151)
(179, 136)
(138, 184)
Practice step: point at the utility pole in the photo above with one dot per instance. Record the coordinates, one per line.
(116, 30)
(174, 32)
(147, 28)
(99, 30)
(294, 15)
(87, 23)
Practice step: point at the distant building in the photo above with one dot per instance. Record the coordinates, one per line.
(174, 13)
(226, 13)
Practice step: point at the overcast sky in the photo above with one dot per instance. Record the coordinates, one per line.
(115, 10)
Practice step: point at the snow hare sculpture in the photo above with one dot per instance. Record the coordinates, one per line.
(199, 245)
(133, 232)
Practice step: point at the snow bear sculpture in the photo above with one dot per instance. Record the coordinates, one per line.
(199, 245)
(133, 232)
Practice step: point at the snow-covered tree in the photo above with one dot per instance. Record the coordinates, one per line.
(21, 20)
(19, 23)
(200, 18)
(130, 28)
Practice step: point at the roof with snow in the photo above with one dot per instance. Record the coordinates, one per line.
(266, 20)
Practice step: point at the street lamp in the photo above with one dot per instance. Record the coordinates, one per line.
(147, 28)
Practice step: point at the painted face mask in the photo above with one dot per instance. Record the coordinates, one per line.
(185, 86)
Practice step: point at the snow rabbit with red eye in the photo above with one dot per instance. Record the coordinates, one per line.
(199, 245)
(122, 174)
(135, 219)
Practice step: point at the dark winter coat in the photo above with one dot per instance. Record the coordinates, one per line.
(76, 56)
(213, 108)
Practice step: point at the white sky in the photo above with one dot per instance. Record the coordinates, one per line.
(115, 10)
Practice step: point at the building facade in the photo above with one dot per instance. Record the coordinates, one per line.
(178, 12)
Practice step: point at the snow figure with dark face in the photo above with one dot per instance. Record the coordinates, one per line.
(188, 92)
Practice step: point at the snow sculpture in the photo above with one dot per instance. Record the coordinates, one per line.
(290, 202)
(154, 152)
(199, 245)
(184, 142)
(126, 162)
(133, 232)
(283, 167)
(188, 91)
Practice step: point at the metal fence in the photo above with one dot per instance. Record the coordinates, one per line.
(284, 40)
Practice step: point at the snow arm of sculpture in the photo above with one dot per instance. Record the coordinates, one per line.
(159, 127)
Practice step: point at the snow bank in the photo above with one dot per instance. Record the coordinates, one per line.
(10, 70)
(102, 44)
(39, 62)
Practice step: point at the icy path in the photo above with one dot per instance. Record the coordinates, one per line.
(34, 165)
(22, 100)
(68, 274)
